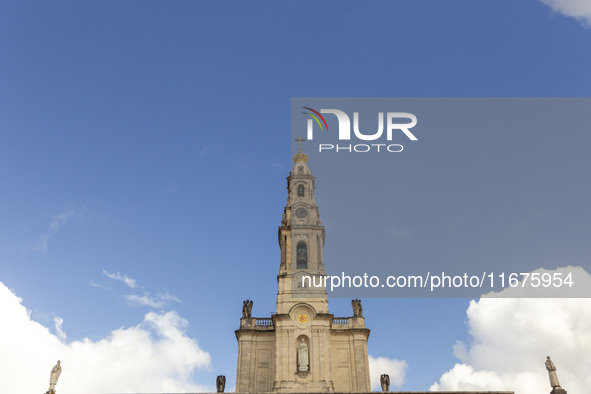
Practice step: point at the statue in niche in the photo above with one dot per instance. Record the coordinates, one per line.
(300, 190)
(357, 308)
(246, 308)
(552, 372)
(55, 374)
(220, 383)
(385, 381)
(303, 356)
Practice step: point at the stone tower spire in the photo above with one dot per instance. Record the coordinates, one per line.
(301, 239)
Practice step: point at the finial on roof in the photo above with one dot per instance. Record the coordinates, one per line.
(300, 156)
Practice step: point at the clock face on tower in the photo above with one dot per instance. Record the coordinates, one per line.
(301, 212)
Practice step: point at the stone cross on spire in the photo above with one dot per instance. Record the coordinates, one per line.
(300, 156)
(300, 140)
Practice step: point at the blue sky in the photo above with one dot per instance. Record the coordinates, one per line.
(152, 139)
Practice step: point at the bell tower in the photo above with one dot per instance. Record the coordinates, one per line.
(302, 347)
(301, 240)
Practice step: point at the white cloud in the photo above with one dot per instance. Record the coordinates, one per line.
(396, 369)
(106, 287)
(160, 301)
(58, 321)
(123, 278)
(153, 356)
(57, 222)
(578, 9)
(145, 300)
(511, 338)
(167, 297)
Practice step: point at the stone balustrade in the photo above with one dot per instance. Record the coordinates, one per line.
(257, 323)
(263, 321)
(341, 322)
(266, 323)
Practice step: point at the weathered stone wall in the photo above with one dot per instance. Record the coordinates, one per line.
(256, 361)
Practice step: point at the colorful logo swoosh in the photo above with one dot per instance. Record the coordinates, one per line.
(316, 118)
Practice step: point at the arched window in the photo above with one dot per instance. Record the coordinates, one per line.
(300, 190)
(302, 255)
